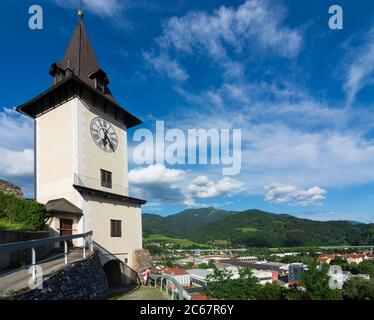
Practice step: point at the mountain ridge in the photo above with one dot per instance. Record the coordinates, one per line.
(255, 227)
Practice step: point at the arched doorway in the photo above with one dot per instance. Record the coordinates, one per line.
(113, 273)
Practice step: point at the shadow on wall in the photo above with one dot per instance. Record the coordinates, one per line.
(113, 273)
(17, 259)
(117, 272)
(53, 233)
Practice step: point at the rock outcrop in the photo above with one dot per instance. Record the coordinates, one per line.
(11, 189)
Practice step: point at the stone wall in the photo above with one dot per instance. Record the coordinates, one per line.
(143, 260)
(11, 189)
(24, 256)
(83, 280)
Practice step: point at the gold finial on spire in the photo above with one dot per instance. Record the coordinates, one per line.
(80, 11)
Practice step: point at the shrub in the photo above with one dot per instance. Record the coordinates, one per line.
(17, 210)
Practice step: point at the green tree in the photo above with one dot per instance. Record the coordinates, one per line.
(169, 263)
(316, 283)
(340, 261)
(189, 265)
(18, 210)
(366, 267)
(222, 286)
(294, 293)
(357, 288)
(211, 264)
(270, 291)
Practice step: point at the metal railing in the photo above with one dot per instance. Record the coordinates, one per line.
(163, 281)
(95, 183)
(32, 244)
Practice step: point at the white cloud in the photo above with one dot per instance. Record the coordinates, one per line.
(192, 203)
(157, 183)
(112, 9)
(299, 142)
(203, 188)
(16, 154)
(361, 68)
(211, 33)
(16, 163)
(280, 194)
(163, 63)
(254, 24)
(100, 7)
(162, 185)
(157, 173)
(16, 130)
(331, 158)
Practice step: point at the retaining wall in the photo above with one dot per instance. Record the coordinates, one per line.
(82, 280)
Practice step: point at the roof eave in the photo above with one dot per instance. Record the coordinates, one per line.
(131, 122)
(109, 195)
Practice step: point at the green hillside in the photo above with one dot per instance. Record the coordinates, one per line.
(180, 243)
(257, 228)
(181, 224)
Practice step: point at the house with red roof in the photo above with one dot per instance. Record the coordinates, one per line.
(182, 276)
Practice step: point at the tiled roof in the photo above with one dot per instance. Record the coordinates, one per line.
(199, 297)
(175, 271)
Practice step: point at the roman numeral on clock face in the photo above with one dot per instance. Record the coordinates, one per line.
(104, 135)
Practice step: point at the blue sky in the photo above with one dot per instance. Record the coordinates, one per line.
(302, 95)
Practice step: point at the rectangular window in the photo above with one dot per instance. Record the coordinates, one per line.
(116, 228)
(106, 179)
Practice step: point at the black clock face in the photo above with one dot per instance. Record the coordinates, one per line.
(104, 135)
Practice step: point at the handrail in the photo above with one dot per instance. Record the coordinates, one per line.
(32, 244)
(16, 246)
(173, 280)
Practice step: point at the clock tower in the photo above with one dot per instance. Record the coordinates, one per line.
(81, 168)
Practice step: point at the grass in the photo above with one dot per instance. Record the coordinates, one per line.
(247, 229)
(183, 243)
(12, 226)
(117, 293)
(143, 293)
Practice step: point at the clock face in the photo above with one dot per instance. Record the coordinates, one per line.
(104, 135)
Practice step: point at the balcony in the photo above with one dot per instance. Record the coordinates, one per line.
(93, 183)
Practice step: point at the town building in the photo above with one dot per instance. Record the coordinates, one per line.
(350, 257)
(199, 277)
(81, 166)
(180, 275)
(255, 265)
(285, 254)
(247, 259)
(295, 271)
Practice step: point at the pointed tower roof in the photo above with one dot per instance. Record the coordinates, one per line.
(79, 55)
(78, 74)
(80, 59)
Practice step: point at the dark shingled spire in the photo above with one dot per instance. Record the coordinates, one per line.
(79, 55)
(80, 59)
(79, 75)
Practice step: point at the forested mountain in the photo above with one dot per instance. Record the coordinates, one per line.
(182, 223)
(257, 228)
